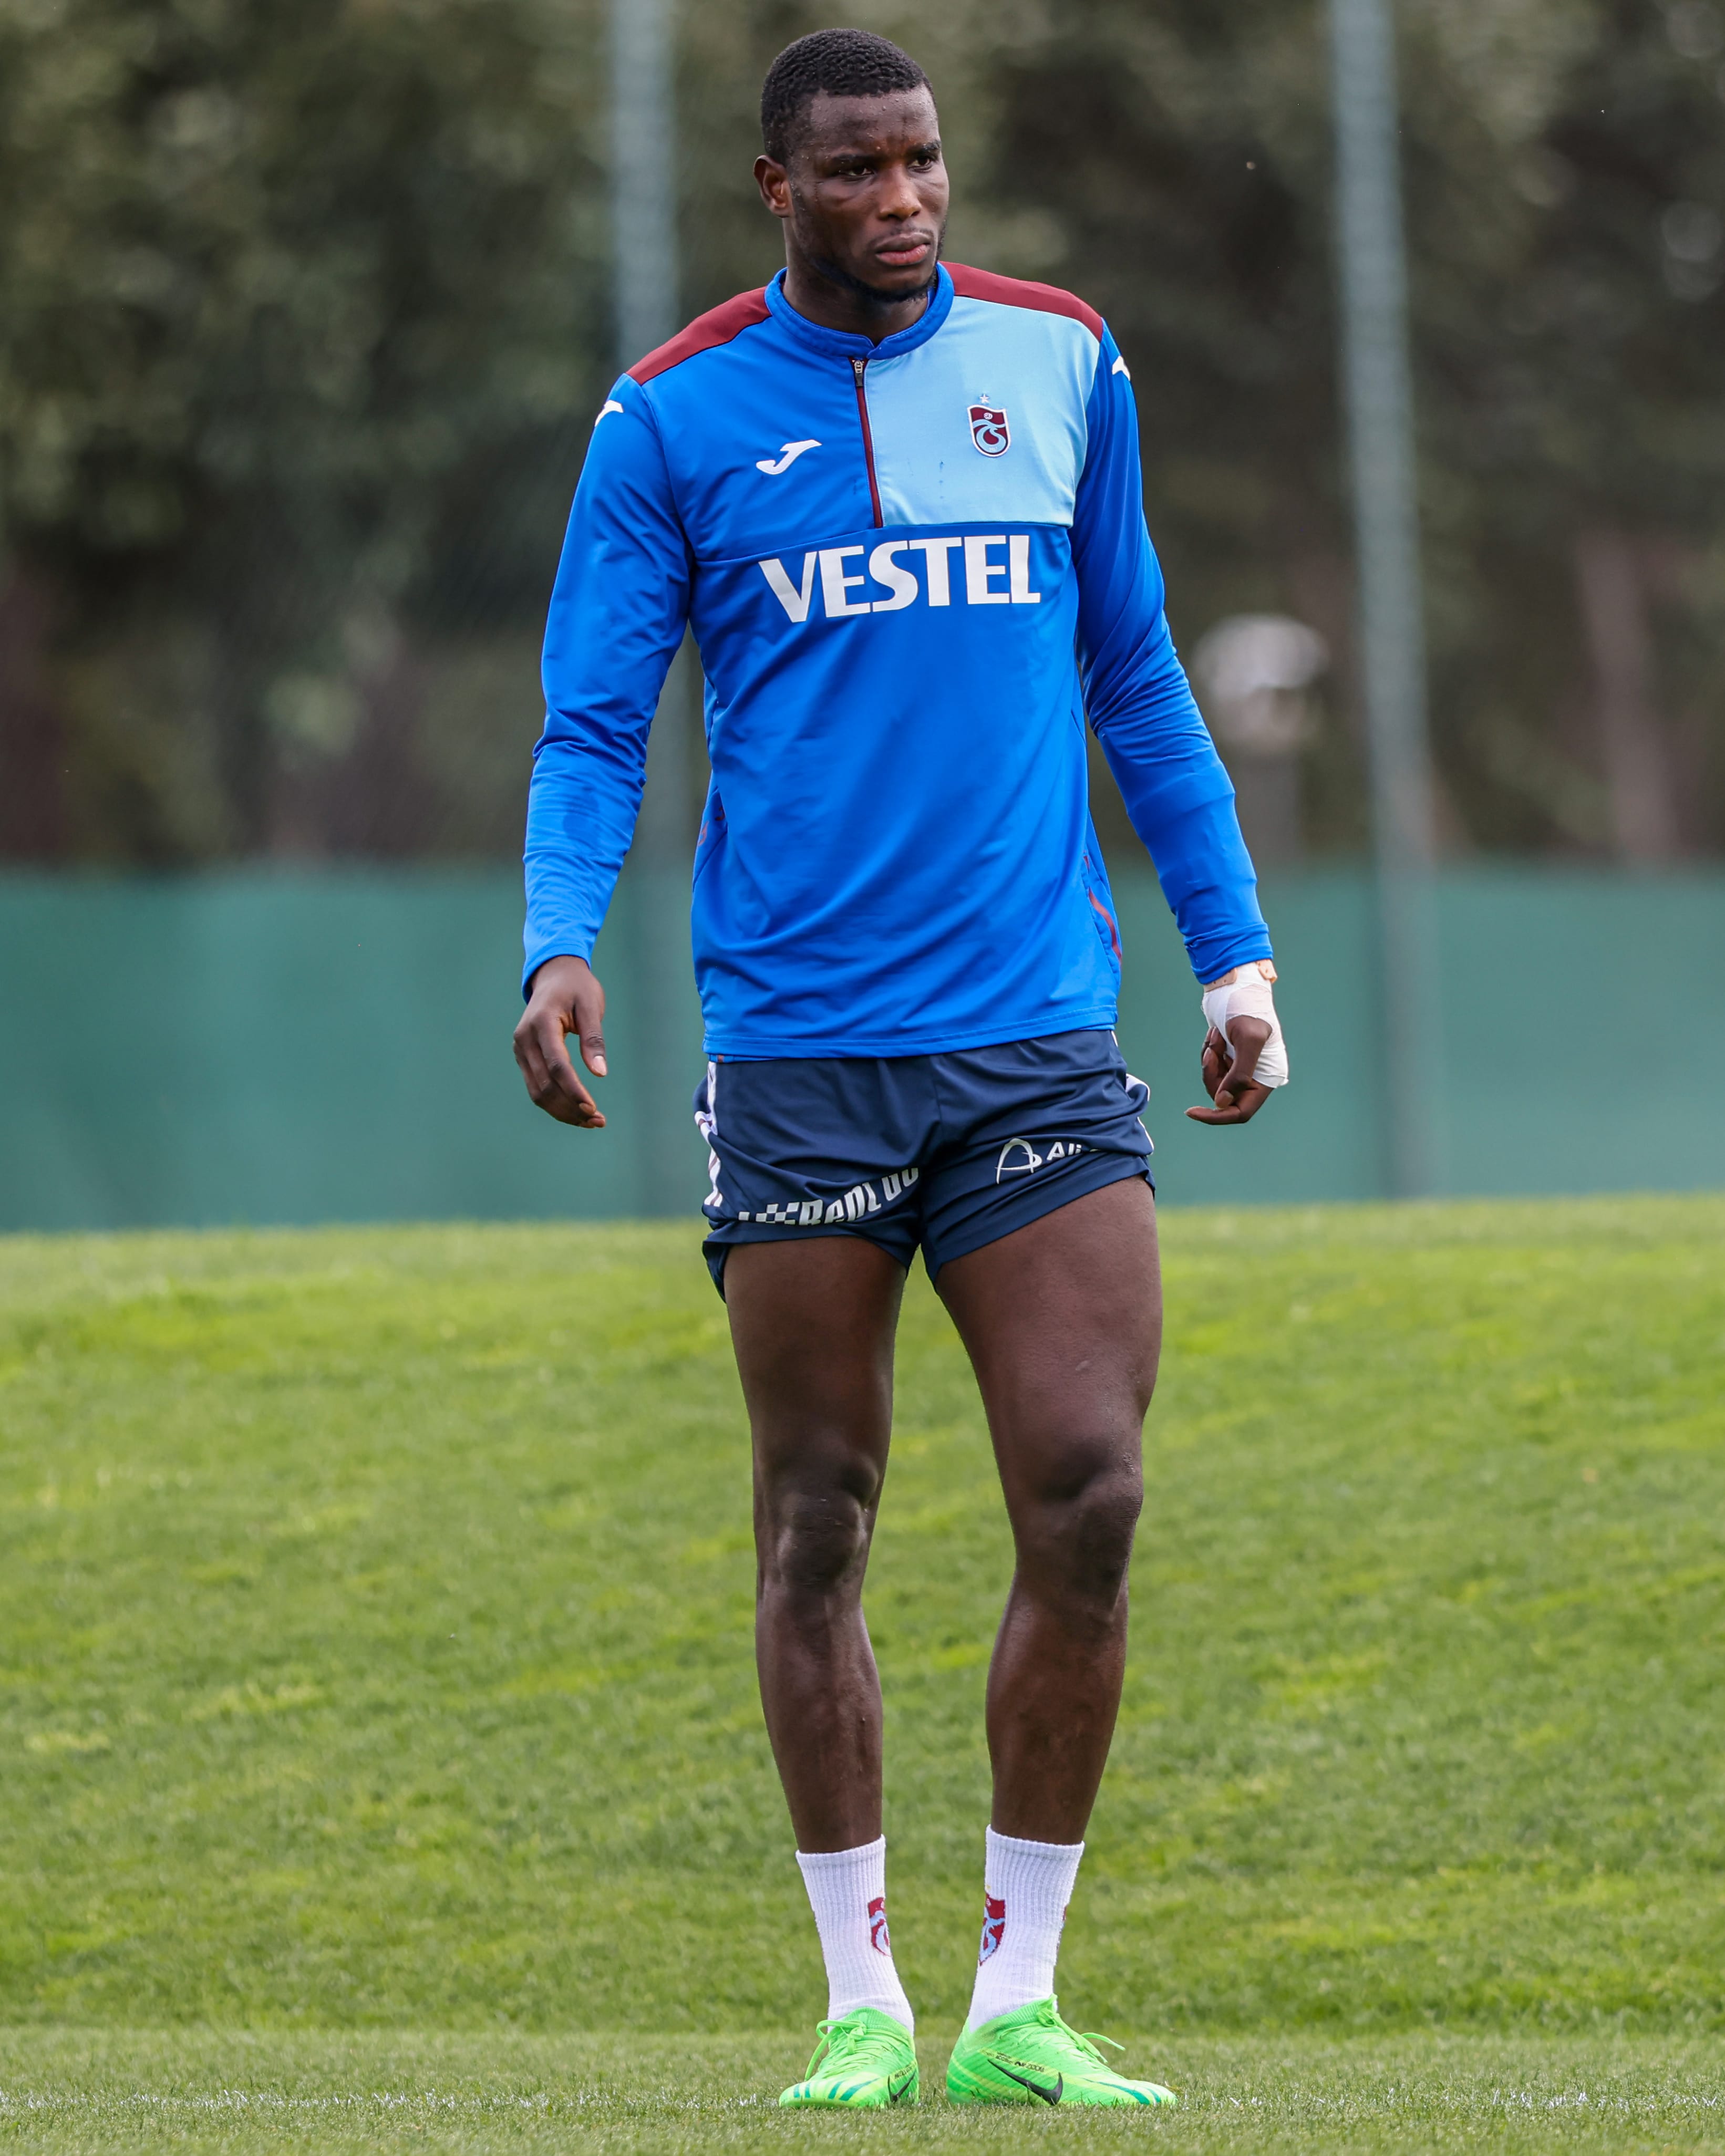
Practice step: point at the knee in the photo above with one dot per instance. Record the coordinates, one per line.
(1075, 1538)
(812, 1533)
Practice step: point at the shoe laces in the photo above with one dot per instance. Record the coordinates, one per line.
(846, 2044)
(1085, 2042)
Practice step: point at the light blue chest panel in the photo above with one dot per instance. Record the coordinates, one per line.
(771, 446)
(985, 423)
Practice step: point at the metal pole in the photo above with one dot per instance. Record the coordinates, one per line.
(1380, 427)
(643, 194)
(644, 238)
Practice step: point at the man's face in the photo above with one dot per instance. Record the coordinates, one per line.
(864, 194)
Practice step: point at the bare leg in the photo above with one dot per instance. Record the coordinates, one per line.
(1063, 1323)
(813, 1324)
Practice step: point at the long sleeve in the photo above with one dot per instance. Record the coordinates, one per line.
(1139, 703)
(617, 617)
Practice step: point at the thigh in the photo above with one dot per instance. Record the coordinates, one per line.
(1062, 1321)
(805, 1147)
(1029, 1127)
(812, 1323)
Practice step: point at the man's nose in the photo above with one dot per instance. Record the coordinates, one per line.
(900, 198)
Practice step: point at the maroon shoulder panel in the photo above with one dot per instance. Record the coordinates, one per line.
(1017, 292)
(718, 326)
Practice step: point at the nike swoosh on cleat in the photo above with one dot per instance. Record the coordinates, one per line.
(1048, 2096)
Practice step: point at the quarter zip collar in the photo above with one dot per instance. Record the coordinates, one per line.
(842, 344)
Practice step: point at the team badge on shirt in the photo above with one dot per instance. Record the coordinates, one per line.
(989, 431)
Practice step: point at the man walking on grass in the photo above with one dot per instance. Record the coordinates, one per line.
(901, 507)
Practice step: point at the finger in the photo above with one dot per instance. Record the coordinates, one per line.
(1248, 1038)
(575, 1106)
(533, 1053)
(1250, 1098)
(589, 1025)
(566, 1097)
(1213, 1061)
(529, 1061)
(1230, 1109)
(551, 1078)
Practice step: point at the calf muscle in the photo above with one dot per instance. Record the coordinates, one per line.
(813, 1324)
(1063, 1323)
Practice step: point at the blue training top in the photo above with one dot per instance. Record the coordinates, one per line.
(912, 569)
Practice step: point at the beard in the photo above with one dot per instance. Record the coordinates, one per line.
(877, 295)
(880, 295)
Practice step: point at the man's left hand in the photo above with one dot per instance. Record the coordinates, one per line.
(1244, 1039)
(1227, 1066)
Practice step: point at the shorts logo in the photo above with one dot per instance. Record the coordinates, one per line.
(877, 1926)
(993, 1927)
(989, 431)
(1018, 1157)
(857, 1203)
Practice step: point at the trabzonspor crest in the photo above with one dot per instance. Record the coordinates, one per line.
(878, 1938)
(989, 431)
(994, 1926)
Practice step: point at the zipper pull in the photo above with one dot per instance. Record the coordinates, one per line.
(858, 365)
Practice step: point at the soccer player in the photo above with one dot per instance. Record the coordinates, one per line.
(900, 506)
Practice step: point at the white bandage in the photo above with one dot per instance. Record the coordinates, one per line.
(1246, 993)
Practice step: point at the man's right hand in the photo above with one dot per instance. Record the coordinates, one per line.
(564, 998)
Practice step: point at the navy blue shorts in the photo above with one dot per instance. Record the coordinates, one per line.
(946, 1151)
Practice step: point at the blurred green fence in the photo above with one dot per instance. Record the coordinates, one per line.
(292, 1048)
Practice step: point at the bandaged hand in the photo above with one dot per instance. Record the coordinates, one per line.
(1244, 1055)
(1247, 993)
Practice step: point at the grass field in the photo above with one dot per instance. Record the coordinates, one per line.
(107, 2091)
(379, 1719)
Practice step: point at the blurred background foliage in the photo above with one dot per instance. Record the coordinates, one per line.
(305, 311)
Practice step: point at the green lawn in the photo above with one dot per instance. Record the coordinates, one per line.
(375, 1678)
(360, 2090)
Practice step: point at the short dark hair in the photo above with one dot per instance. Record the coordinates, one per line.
(833, 63)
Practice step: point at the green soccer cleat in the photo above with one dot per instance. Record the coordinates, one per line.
(865, 2059)
(1031, 2056)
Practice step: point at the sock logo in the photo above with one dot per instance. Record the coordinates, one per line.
(878, 1938)
(994, 1926)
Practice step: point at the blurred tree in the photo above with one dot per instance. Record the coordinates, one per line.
(1566, 162)
(297, 308)
(1578, 430)
(304, 313)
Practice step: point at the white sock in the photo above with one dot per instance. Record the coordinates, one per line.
(1025, 1889)
(847, 1891)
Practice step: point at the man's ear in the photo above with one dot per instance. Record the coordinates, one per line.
(774, 182)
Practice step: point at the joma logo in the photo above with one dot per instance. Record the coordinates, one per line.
(987, 580)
